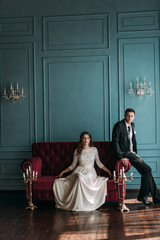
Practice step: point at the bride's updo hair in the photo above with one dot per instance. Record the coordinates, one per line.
(80, 145)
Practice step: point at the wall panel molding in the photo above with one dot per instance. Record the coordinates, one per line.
(16, 64)
(140, 58)
(138, 21)
(18, 26)
(53, 68)
(11, 167)
(75, 32)
(11, 174)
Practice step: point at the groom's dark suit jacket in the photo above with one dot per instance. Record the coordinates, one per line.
(120, 140)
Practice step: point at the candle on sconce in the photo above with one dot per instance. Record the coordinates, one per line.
(4, 92)
(114, 173)
(122, 169)
(130, 86)
(22, 91)
(131, 174)
(141, 85)
(27, 171)
(33, 173)
(24, 175)
(36, 174)
(144, 81)
(17, 89)
(137, 83)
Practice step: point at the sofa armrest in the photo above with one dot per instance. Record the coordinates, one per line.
(119, 165)
(35, 163)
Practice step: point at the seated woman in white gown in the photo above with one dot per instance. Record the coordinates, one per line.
(82, 190)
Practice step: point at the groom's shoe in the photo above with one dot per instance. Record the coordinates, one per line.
(145, 201)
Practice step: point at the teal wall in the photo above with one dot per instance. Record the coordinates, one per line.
(75, 60)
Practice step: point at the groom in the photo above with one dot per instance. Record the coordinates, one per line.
(125, 147)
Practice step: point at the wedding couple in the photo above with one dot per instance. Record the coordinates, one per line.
(83, 190)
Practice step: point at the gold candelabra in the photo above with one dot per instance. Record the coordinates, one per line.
(122, 179)
(29, 177)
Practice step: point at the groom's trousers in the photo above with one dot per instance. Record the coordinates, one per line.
(148, 184)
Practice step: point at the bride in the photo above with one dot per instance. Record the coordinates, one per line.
(82, 190)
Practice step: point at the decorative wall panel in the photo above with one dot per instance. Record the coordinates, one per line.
(139, 58)
(16, 27)
(138, 21)
(16, 65)
(75, 32)
(76, 98)
(11, 167)
(155, 166)
(11, 174)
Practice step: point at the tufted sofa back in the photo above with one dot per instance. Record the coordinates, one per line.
(56, 156)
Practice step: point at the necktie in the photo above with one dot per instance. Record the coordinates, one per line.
(129, 129)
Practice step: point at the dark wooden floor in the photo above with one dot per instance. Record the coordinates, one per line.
(48, 223)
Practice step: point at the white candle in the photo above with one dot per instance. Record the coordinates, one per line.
(4, 91)
(122, 169)
(24, 175)
(11, 86)
(144, 81)
(33, 173)
(36, 174)
(27, 171)
(130, 86)
(137, 82)
(141, 85)
(114, 173)
(29, 168)
(131, 174)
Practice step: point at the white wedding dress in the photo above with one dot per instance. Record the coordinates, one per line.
(82, 190)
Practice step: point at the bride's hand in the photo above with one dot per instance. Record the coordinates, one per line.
(110, 174)
(61, 174)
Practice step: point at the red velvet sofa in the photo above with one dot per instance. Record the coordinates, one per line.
(50, 158)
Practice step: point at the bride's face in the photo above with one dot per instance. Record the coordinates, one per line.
(85, 140)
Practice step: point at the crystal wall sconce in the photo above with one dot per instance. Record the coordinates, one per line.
(13, 94)
(140, 89)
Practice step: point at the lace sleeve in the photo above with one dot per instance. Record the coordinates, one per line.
(75, 160)
(98, 162)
